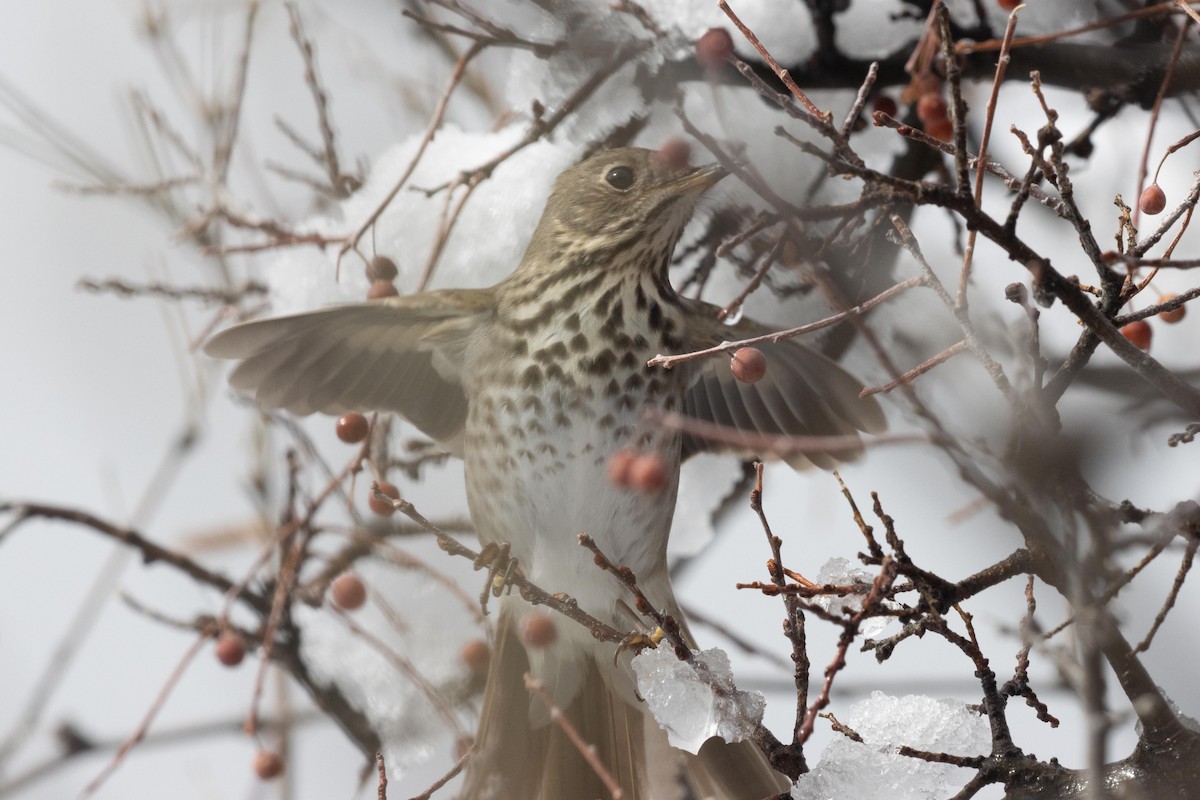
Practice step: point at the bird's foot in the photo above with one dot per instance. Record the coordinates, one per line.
(501, 570)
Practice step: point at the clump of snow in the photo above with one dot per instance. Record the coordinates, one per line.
(784, 29)
(590, 37)
(696, 701)
(840, 572)
(874, 767)
(398, 709)
(486, 243)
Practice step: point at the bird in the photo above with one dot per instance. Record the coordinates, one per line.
(537, 382)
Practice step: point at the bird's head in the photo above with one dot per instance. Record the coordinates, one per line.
(621, 196)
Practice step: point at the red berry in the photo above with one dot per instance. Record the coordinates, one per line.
(538, 631)
(381, 289)
(230, 649)
(676, 153)
(619, 464)
(885, 105)
(352, 428)
(1153, 200)
(647, 473)
(476, 654)
(382, 268)
(1009, 5)
(749, 365)
(932, 106)
(348, 591)
(267, 765)
(461, 746)
(382, 507)
(1175, 314)
(714, 48)
(940, 129)
(1138, 332)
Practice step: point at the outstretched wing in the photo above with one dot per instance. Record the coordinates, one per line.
(802, 394)
(404, 354)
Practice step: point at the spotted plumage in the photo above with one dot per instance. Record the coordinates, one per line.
(536, 382)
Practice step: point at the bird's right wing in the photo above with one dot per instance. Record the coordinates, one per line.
(802, 394)
(403, 354)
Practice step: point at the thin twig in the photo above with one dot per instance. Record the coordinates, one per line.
(588, 751)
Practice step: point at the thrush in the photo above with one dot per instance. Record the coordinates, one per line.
(536, 383)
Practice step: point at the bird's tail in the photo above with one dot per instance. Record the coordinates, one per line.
(522, 754)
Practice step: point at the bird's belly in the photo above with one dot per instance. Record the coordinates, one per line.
(537, 477)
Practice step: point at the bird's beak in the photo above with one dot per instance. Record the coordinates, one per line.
(706, 176)
(699, 180)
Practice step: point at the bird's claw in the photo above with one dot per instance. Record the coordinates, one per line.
(501, 569)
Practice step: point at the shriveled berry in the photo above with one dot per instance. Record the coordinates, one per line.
(647, 473)
(1175, 314)
(714, 48)
(1153, 200)
(749, 365)
(230, 649)
(476, 654)
(381, 289)
(1139, 333)
(382, 507)
(267, 765)
(676, 152)
(619, 464)
(931, 107)
(381, 268)
(348, 591)
(352, 428)
(538, 631)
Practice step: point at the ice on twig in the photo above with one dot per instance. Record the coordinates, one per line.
(875, 768)
(695, 701)
(840, 572)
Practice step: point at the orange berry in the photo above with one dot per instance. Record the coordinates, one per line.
(538, 631)
(647, 473)
(381, 289)
(1138, 332)
(714, 48)
(1175, 314)
(352, 428)
(348, 591)
(382, 268)
(1153, 200)
(267, 765)
(382, 507)
(230, 649)
(676, 152)
(619, 464)
(931, 107)
(749, 365)
(476, 654)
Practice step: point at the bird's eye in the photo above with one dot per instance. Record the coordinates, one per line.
(620, 177)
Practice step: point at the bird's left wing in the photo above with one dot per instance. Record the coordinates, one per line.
(403, 354)
(803, 393)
